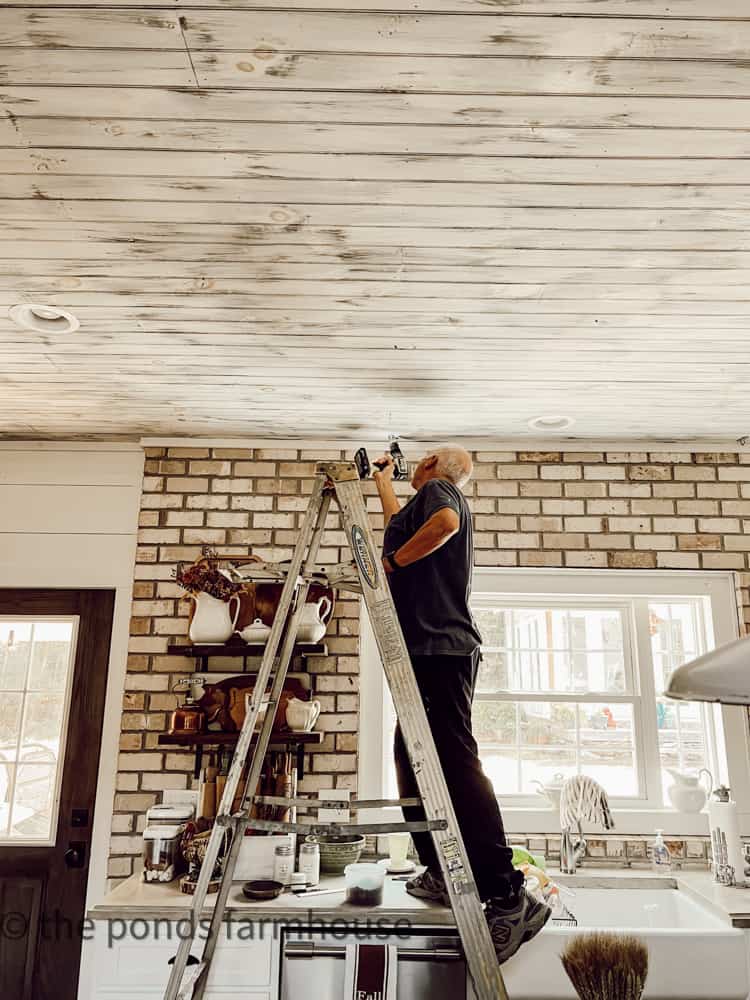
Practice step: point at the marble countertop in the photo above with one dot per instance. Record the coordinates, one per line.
(134, 898)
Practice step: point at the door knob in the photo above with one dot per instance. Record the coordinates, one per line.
(75, 856)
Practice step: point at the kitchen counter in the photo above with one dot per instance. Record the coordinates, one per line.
(135, 899)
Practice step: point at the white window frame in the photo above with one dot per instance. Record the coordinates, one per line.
(528, 587)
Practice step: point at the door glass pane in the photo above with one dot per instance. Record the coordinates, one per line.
(32, 802)
(36, 667)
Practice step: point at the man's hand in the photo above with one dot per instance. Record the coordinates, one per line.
(385, 473)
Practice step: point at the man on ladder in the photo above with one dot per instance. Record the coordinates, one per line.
(428, 555)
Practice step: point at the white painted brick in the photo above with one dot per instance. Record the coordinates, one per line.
(518, 540)
(593, 560)
(206, 502)
(607, 472)
(560, 471)
(677, 560)
(630, 524)
(541, 558)
(517, 471)
(609, 541)
(729, 473)
(584, 524)
(187, 484)
(727, 525)
(572, 507)
(655, 542)
(494, 557)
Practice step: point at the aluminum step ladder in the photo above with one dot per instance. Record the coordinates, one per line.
(363, 575)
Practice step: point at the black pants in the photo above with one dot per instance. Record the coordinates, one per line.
(446, 684)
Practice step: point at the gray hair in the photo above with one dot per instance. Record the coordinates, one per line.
(454, 464)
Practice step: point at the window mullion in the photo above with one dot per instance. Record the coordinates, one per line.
(647, 735)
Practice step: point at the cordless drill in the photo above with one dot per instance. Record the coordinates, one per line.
(400, 468)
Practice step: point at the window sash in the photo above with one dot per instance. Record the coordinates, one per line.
(729, 734)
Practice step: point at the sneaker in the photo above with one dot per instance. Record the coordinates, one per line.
(428, 886)
(514, 925)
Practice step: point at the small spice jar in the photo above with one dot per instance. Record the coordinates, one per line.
(309, 862)
(283, 864)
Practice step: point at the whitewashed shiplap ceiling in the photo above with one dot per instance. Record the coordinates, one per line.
(436, 217)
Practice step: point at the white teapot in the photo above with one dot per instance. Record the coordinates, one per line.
(311, 627)
(301, 716)
(687, 794)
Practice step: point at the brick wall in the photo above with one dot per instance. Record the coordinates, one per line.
(619, 510)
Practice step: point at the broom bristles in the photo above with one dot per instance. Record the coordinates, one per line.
(606, 966)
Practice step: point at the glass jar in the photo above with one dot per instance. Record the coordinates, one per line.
(309, 862)
(283, 864)
(161, 853)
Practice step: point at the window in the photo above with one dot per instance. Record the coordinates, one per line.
(574, 668)
(36, 669)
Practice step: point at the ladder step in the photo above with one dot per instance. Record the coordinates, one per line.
(338, 829)
(353, 805)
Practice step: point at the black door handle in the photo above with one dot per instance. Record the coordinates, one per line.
(75, 856)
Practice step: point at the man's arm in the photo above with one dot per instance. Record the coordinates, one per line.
(435, 532)
(384, 483)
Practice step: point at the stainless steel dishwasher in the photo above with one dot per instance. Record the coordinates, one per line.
(430, 963)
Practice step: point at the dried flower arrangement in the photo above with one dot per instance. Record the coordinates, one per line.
(204, 576)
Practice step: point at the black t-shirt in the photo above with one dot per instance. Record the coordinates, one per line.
(432, 594)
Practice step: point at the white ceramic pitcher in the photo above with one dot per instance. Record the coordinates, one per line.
(687, 794)
(301, 716)
(311, 627)
(213, 620)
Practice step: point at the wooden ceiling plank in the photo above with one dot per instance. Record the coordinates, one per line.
(111, 187)
(145, 250)
(351, 241)
(400, 140)
(340, 71)
(266, 34)
(392, 289)
(659, 9)
(466, 218)
(372, 108)
(668, 304)
(457, 75)
(372, 167)
(66, 272)
(97, 27)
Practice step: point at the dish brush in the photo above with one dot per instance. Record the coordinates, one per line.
(606, 966)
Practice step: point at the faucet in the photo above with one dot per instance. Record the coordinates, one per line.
(572, 852)
(581, 798)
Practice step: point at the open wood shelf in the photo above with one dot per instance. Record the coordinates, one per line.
(200, 740)
(243, 649)
(223, 739)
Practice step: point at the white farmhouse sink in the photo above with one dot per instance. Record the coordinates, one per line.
(693, 953)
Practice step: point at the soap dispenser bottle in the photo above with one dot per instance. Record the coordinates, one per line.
(661, 859)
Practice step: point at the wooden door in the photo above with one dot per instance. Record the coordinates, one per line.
(54, 652)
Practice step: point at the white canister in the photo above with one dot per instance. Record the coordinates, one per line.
(309, 862)
(283, 864)
(726, 845)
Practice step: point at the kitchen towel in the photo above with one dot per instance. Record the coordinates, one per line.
(371, 971)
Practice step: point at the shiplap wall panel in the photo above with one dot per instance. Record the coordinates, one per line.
(254, 207)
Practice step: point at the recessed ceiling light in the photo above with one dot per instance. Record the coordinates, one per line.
(43, 319)
(555, 422)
